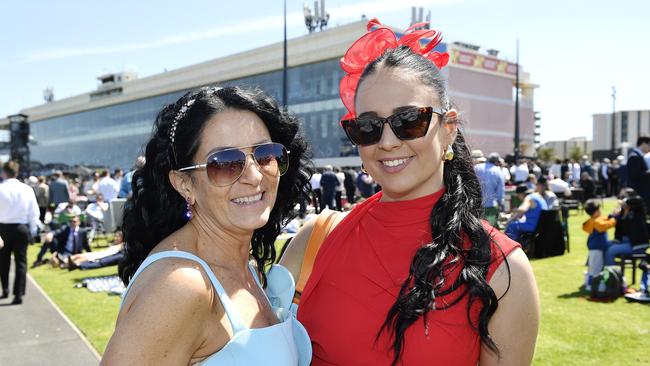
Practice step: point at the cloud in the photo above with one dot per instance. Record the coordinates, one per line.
(344, 12)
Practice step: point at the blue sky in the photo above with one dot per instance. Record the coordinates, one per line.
(574, 49)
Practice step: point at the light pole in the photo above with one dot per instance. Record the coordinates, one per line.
(613, 122)
(516, 150)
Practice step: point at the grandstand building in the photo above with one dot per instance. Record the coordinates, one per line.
(108, 126)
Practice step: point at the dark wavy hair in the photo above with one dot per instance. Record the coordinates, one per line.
(156, 209)
(455, 215)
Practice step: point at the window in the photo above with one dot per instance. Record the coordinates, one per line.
(113, 135)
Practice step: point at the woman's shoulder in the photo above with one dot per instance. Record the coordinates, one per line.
(178, 282)
(508, 261)
(171, 298)
(293, 256)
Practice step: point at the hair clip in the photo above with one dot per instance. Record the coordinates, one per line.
(181, 114)
(374, 43)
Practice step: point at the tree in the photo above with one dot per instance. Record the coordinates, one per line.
(575, 153)
(546, 154)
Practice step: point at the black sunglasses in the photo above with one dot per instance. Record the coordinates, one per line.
(407, 124)
(224, 167)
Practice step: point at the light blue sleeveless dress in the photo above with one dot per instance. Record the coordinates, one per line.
(285, 343)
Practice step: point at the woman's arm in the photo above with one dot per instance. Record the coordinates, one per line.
(515, 324)
(163, 317)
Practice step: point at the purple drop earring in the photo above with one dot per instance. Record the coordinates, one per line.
(188, 210)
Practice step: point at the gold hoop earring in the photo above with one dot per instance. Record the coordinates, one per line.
(449, 154)
(363, 169)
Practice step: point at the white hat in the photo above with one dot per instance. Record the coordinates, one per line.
(477, 156)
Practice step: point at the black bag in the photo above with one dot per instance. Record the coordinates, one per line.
(607, 285)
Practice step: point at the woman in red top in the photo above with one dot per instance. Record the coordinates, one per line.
(412, 276)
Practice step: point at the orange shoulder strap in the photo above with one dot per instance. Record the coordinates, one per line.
(322, 227)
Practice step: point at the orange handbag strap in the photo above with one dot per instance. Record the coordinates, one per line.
(322, 227)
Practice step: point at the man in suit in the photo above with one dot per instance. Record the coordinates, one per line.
(638, 176)
(64, 242)
(59, 191)
(329, 182)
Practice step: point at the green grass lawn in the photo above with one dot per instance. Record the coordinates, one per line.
(574, 331)
(580, 332)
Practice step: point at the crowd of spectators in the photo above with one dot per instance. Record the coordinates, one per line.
(74, 207)
(340, 188)
(72, 212)
(567, 183)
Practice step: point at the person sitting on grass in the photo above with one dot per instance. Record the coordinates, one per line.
(103, 258)
(596, 226)
(63, 243)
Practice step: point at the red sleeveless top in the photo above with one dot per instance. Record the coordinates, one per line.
(356, 279)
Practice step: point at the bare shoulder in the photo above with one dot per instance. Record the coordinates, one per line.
(293, 255)
(513, 273)
(170, 280)
(163, 316)
(515, 324)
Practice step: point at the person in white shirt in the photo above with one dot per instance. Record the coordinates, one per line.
(95, 213)
(18, 222)
(575, 172)
(316, 191)
(556, 169)
(90, 186)
(70, 208)
(108, 187)
(560, 187)
(520, 172)
(536, 170)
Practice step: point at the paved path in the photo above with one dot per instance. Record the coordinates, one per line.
(37, 333)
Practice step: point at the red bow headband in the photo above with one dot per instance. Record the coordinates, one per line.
(374, 43)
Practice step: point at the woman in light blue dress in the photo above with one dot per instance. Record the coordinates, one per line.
(224, 170)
